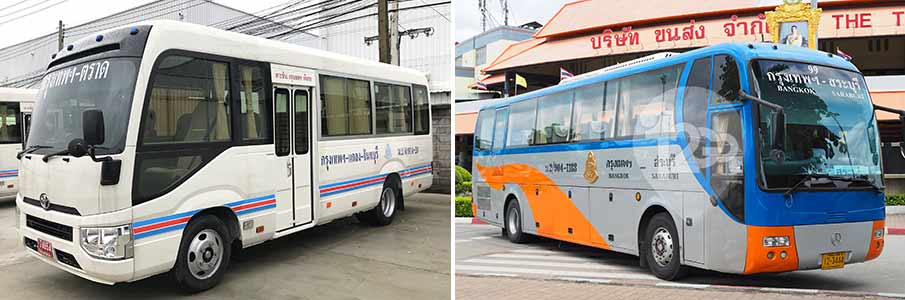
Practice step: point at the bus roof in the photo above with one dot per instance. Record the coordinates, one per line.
(17, 94)
(204, 39)
(743, 51)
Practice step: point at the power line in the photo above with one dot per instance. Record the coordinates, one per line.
(436, 11)
(14, 4)
(24, 9)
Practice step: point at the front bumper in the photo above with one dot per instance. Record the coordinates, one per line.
(67, 253)
(808, 243)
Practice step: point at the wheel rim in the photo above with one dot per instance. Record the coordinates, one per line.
(388, 202)
(205, 254)
(662, 246)
(513, 221)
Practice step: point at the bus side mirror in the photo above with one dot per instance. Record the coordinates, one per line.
(93, 127)
(901, 114)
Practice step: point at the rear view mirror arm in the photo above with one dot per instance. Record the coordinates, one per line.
(779, 124)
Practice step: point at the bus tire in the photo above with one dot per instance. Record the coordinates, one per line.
(203, 256)
(662, 253)
(512, 225)
(385, 211)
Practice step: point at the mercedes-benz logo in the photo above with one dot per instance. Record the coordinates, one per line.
(836, 239)
(45, 201)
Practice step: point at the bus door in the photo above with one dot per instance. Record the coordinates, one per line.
(292, 139)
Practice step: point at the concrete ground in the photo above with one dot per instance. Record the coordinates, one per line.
(483, 252)
(409, 259)
(501, 288)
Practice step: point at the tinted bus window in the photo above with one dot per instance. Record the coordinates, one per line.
(189, 102)
(393, 105)
(254, 114)
(521, 126)
(725, 80)
(647, 106)
(694, 109)
(591, 118)
(345, 106)
(10, 131)
(553, 119)
(422, 110)
(484, 132)
(499, 131)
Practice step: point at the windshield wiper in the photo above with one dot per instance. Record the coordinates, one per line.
(58, 153)
(812, 177)
(30, 149)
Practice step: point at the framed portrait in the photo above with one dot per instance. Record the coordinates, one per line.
(794, 33)
(794, 24)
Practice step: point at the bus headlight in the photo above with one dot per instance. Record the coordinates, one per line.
(878, 233)
(776, 241)
(109, 243)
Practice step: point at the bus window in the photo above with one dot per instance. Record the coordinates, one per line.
(553, 119)
(189, 102)
(281, 132)
(521, 133)
(499, 131)
(591, 118)
(301, 121)
(484, 132)
(422, 110)
(189, 105)
(393, 107)
(10, 131)
(726, 153)
(694, 109)
(647, 105)
(345, 106)
(725, 80)
(254, 116)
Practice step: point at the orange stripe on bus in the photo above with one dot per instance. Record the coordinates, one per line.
(757, 260)
(547, 204)
(876, 244)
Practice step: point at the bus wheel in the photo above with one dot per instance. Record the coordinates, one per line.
(663, 253)
(203, 254)
(385, 210)
(513, 223)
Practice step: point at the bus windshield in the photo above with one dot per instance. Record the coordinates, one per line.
(830, 126)
(106, 84)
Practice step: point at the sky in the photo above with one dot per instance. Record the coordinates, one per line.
(468, 17)
(16, 27)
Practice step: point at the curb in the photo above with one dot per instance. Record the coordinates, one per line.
(469, 220)
(690, 286)
(895, 231)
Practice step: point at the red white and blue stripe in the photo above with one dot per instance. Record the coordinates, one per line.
(178, 221)
(354, 184)
(9, 173)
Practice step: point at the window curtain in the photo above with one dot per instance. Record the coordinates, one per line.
(221, 123)
(251, 123)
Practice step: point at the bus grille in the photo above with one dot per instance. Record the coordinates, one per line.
(482, 197)
(48, 227)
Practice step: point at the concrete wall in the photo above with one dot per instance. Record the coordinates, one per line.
(442, 121)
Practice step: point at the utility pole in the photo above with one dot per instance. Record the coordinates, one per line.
(393, 29)
(505, 5)
(387, 34)
(383, 31)
(60, 37)
(482, 6)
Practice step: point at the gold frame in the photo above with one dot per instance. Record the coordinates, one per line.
(800, 12)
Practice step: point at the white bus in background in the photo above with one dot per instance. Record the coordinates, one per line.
(164, 147)
(15, 115)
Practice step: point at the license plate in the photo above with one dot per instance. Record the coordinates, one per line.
(832, 260)
(45, 248)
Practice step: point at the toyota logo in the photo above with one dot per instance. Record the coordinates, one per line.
(836, 239)
(45, 201)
